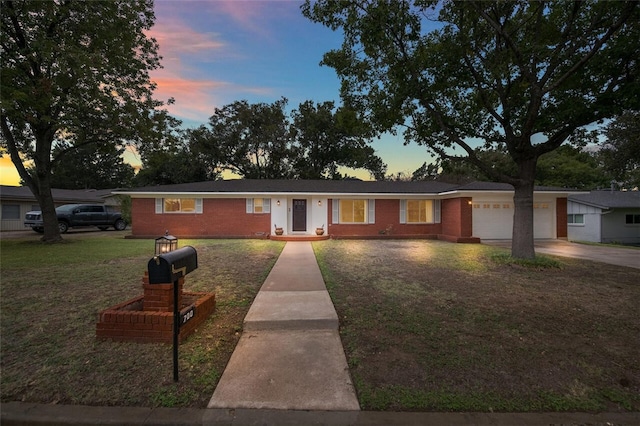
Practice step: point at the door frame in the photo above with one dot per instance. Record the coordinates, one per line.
(293, 214)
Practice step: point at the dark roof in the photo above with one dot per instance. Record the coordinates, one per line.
(301, 186)
(243, 186)
(23, 193)
(609, 199)
(496, 186)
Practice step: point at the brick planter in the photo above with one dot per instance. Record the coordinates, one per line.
(149, 318)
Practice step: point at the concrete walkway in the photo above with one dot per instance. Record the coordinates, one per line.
(290, 356)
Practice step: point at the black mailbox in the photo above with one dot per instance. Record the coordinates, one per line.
(168, 267)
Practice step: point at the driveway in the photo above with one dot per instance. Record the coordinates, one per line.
(620, 256)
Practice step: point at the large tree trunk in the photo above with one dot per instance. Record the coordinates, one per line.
(522, 238)
(48, 208)
(40, 182)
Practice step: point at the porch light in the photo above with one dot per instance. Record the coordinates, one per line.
(319, 202)
(278, 202)
(166, 243)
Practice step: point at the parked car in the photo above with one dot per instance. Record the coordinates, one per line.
(79, 215)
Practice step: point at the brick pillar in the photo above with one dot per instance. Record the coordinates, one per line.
(159, 297)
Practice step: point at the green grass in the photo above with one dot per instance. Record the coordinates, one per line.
(434, 326)
(52, 294)
(540, 261)
(426, 325)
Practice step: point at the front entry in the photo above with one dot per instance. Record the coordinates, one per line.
(299, 215)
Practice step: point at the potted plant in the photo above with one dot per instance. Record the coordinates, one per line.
(279, 231)
(320, 230)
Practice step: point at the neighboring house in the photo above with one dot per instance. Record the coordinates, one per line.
(604, 217)
(16, 201)
(345, 208)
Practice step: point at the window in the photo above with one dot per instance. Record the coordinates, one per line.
(258, 205)
(353, 211)
(10, 211)
(630, 219)
(575, 219)
(178, 205)
(419, 211)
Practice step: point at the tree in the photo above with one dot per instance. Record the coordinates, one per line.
(571, 167)
(174, 164)
(517, 76)
(94, 166)
(259, 141)
(251, 140)
(620, 152)
(324, 140)
(74, 73)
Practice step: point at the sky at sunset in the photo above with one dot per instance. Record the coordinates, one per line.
(218, 52)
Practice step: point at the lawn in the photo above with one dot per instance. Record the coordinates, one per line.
(434, 326)
(50, 298)
(426, 325)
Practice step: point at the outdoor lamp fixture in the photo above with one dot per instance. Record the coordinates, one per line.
(278, 202)
(319, 202)
(166, 243)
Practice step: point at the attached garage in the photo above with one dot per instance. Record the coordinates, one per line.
(493, 210)
(493, 218)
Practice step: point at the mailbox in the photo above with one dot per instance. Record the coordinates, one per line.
(168, 267)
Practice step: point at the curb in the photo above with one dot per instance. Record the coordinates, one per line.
(19, 413)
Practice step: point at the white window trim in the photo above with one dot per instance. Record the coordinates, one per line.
(575, 223)
(435, 212)
(370, 212)
(630, 224)
(250, 205)
(160, 206)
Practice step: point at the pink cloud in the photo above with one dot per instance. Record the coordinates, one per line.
(176, 39)
(197, 94)
(194, 99)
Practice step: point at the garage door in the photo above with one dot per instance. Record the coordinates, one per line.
(543, 219)
(494, 220)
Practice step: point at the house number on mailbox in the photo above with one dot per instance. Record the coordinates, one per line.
(187, 315)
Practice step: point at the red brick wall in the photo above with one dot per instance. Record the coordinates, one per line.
(457, 217)
(225, 217)
(125, 322)
(561, 218)
(387, 223)
(228, 218)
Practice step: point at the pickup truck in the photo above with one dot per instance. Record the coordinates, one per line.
(79, 215)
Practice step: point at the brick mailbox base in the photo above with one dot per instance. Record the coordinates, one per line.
(149, 318)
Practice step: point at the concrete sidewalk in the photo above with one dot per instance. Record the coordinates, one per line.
(290, 356)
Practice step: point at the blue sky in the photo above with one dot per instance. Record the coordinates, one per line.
(217, 52)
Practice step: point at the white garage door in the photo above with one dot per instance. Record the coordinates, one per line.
(544, 219)
(494, 220)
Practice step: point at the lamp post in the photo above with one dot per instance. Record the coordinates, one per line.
(166, 243)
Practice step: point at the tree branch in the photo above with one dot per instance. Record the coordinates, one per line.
(630, 6)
